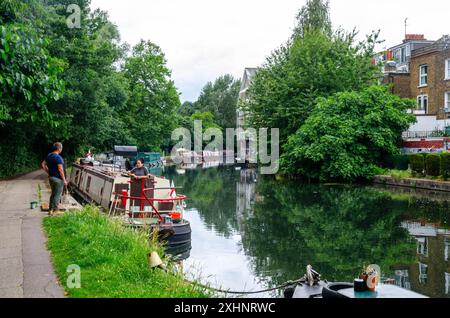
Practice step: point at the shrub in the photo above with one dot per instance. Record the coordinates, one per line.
(417, 163)
(397, 162)
(433, 165)
(445, 165)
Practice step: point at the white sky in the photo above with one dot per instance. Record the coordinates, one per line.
(203, 39)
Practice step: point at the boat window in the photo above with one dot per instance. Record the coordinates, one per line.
(88, 184)
(77, 176)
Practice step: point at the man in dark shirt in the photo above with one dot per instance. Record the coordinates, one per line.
(54, 166)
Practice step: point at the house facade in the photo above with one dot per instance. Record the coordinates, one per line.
(422, 73)
(401, 54)
(430, 79)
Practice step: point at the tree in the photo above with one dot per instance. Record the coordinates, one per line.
(187, 109)
(314, 16)
(347, 135)
(284, 90)
(154, 100)
(30, 80)
(220, 98)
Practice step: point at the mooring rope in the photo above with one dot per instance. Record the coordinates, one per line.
(286, 284)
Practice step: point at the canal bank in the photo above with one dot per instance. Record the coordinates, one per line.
(424, 184)
(112, 259)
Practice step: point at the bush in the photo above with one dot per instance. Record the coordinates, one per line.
(417, 163)
(397, 162)
(445, 165)
(433, 165)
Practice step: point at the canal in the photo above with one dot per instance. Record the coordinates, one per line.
(252, 232)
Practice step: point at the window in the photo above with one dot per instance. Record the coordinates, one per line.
(402, 279)
(400, 55)
(447, 69)
(423, 74)
(447, 283)
(447, 102)
(88, 184)
(446, 248)
(422, 102)
(423, 273)
(422, 246)
(403, 55)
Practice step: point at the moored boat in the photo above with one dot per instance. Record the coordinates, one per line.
(151, 203)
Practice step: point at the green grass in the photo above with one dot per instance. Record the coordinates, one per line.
(112, 258)
(405, 174)
(399, 174)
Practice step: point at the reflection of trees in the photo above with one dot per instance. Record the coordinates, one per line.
(430, 211)
(213, 193)
(337, 229)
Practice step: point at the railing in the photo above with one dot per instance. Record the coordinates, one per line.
(425, 134)
(124, 198)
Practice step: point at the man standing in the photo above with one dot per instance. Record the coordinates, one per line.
(54, 166)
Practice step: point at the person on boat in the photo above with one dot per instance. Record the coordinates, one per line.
(53, 165)
(139, 172)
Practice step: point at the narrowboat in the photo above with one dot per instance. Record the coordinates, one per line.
(151, 203)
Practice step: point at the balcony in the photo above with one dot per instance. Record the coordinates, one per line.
(424, 134)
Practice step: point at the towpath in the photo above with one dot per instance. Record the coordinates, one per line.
(26, 270)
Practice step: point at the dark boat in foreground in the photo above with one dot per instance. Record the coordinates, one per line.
(311, 286)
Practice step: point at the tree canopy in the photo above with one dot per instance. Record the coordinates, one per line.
(347, 135)
(219, 98)
(79, 85)
(299, 89)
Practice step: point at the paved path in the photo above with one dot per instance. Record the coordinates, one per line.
(25, 265)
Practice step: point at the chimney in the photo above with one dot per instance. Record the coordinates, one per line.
(410, 37)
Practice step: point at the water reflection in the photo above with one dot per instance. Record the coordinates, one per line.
(253, 231)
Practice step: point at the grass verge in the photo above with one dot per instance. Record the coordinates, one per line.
(112, 259)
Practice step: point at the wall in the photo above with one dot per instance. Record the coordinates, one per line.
(401, 84)
(429, 123)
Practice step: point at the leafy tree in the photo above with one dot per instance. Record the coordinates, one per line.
(284, 90)
(314, 16)
(347, 135)
(103, 103)
(220, 98)
(207, 119)
(154, 100)
(187, 109)
(29, 76)
(30, 80)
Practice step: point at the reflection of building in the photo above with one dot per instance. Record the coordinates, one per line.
(244, 143)
(245, 192)
(431, 274)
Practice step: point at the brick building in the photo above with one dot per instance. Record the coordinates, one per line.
(420, 70)
(430, 79)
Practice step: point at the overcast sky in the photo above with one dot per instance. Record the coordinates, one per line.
(203, 39)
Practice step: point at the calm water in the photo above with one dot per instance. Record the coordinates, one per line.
(252, 232)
